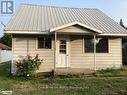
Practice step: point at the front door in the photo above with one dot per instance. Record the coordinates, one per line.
(63, 52)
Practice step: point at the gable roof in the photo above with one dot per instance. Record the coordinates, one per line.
(75, 23)
(42, 19)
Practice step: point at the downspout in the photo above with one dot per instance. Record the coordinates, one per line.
(94, 52)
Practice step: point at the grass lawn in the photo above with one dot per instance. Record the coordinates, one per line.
(62, 86)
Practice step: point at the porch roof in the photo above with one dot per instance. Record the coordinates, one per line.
(75, 23)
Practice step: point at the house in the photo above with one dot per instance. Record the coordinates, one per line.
(5, 53)
(68, 39)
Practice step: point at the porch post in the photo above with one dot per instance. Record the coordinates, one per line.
(55, 51)
(94, 52)
(27, 47)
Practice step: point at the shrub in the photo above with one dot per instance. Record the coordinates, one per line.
(27, 66)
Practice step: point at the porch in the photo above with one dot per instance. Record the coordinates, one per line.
(72, 53)
(63, 56)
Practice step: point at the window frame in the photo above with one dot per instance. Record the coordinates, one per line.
(96, 52)
(44, 48)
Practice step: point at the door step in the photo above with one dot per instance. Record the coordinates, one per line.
(86, 71)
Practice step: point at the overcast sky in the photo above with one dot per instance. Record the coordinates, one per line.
(116, 9)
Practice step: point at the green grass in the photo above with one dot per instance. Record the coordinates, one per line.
(112, 72)
(62, 85)
(4, 69)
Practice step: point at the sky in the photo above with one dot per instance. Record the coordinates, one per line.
(116, 9)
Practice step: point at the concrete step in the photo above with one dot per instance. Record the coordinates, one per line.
(85, 71)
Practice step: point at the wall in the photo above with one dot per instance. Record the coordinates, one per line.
(23, 45)
(80, 59)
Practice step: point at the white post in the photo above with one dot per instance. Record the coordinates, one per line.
(27, 47)
(94, 52)
(55, 51)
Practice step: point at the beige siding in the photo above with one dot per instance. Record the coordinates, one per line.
(79, 59)
(75, 29)
(20, 50)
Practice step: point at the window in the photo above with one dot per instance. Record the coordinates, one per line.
(101, 46)
(62, 47)
(44, 42)
(89, 46)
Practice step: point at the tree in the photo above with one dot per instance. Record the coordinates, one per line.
(121, 23)
(124, 40)
(6, 39)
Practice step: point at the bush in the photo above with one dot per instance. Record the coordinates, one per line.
(28, 65)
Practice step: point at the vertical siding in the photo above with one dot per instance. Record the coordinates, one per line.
(79, 59)
(20, 50)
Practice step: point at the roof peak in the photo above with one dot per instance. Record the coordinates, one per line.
(24, 4)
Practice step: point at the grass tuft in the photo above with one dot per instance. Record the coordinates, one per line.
(112, 72)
